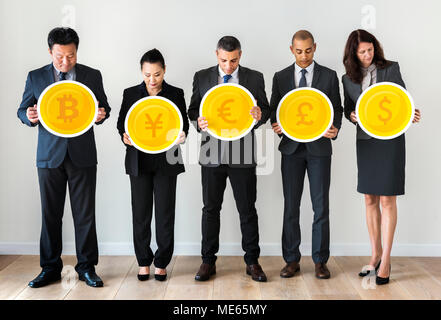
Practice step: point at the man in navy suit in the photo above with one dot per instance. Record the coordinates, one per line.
(312, 157)
(62, 161)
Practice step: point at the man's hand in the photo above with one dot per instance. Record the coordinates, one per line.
(353, 117)
(181, 138)
(101, 114)
(202, 123)
(276, 128)
(256, 113)
(126, 139)
(417, 116)
(331, 133)
(32, 114)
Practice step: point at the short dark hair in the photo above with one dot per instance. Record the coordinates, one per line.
(303, 35)
(350, 59)
(153, 56)
(62, 36)
(228, 43)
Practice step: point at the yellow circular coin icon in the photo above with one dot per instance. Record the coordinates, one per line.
(153, 124)
(67, 108)
(385, 110)
(305, 114)
(226, 108)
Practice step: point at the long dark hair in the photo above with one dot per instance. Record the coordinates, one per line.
(350, 59)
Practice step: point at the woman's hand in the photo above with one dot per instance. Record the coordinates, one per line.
(353, 117)
(182, 138)
(126, 139)
(202, 123)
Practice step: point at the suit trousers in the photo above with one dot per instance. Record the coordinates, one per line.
(294, 167)
(82, 185)
(162, 188)
(243, 182)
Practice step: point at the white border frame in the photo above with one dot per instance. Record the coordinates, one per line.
(231, 85)
(331, 120)
(181, 123)
(62, 134)
(408, 124)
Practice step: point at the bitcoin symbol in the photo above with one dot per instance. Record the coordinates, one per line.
(385, 120)
(223, 108)
(153, 125)
(68, 103)
(303, 115)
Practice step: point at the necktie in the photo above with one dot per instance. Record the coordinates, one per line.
(63, 76)
(302, 82)
(227, 77)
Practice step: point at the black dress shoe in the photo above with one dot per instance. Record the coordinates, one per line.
(91, 279)
(160, 277)
(256, 272)
(143, 277)
(45, 278)
(205, 271)
(380, 281)
(290, 269)
(365, 273)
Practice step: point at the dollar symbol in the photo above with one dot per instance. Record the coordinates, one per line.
(153, 125)
(303, 115)
(223, 114)
(67, 103)
(389, 116)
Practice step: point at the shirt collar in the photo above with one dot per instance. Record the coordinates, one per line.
(70, 72)
(233, 75)
(145, 93)
(309, 68)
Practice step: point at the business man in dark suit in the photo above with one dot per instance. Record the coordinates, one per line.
(313, 157)
(65, 160)
(234, 160)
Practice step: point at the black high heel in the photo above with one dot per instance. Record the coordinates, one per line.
(380, 281)
(160, 277)
(143, 277)
(365, 273)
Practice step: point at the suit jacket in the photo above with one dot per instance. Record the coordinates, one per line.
(52, 149)
(352, 92)
(130, 96)
(203, 81)
(325, 80)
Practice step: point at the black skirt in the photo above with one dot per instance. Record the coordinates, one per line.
(381, 166)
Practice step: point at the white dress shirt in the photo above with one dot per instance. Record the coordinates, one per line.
(309, 74)
(234, 76)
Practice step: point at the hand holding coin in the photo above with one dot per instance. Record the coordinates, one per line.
(181, 138)
(417, 116)
(331, 133)
(276, 128)
(256, 113)
(32, 114)
(353, 117)
(202, 123)
(101, 114)
(126, 139)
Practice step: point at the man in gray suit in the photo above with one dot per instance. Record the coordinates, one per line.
(234, 160)
(313, 157)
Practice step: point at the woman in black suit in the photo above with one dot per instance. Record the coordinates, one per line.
(151, 175)
(381, 163)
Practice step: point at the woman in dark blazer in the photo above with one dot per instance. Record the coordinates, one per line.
(381, 163)
(151, 175)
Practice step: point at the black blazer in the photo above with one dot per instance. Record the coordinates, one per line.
(352, 92)
(130, 96)
(203, 81)
(52, 149)
(325, 80)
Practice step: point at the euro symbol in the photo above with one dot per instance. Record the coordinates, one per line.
(153, 125)
(223, 114)
(303, 115)
(68, 103)
(389, 116)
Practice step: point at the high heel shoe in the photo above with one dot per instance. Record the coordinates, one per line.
(365, 273)
(160, 277)
(143, 277)
(380, 281)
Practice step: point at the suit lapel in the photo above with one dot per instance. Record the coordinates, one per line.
(316, 75)
(243, 77)
(79, 73)
(381, 74)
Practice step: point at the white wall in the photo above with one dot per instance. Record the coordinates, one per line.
(114, 35)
